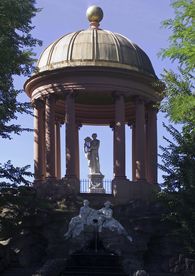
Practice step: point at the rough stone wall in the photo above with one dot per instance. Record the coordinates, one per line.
(32, 229)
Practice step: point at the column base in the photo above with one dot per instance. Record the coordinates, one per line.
(125, 190)
(57, 190)
(50, 178)
(73, 182)
(38, 182)
(143, 180)
(118, 178)
(69, 177)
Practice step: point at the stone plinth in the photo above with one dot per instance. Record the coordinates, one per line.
(96, 183)
(125, 190)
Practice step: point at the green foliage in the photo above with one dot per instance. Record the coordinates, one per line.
(182, 39)
(179, 102)
(178, 191)
(16, 58)
(178, 157)
(14, 175)
(19, 206)
(178, 161)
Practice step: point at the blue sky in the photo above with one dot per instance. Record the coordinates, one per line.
(139, 20)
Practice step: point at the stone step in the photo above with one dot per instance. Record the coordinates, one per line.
(94, 268)
(94, 260)
(93, 265)
(94, 273)
(18, 271)
(164, 274)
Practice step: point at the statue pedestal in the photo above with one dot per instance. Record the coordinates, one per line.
(96, 184)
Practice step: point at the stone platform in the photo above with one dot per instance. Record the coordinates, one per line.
(123, 190)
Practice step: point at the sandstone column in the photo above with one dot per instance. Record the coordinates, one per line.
(133, 152)
(70, 136)
(39, 140)
(140, 140)
(50, 135)
(57, 150)
(152, 145)
(77, 164)
(119, 137)
(112, 126)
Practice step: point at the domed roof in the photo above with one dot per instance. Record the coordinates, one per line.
(95, 47)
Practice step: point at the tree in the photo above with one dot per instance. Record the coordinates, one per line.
(14, 175)
(178, 157)
(16, 59)
(180, 95)
(178, 164)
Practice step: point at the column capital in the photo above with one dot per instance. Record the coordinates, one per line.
(58, 121)
(112, 125)
(78, 125)
(71, 94)
(139, 100)
(131, 123)
(153, 106)
(50, 97)
(117, 95)
(38, 103)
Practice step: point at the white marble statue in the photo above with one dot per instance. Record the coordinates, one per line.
(140, 273)
(88, 215)
(106, 220)
(76, 225)
(91, 148)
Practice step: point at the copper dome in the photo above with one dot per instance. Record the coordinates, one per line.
(95, 47)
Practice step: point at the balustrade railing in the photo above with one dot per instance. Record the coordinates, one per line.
(85, 184)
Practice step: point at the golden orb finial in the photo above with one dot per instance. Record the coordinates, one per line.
(95, 15)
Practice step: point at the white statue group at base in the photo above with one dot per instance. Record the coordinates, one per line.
(89, 216)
